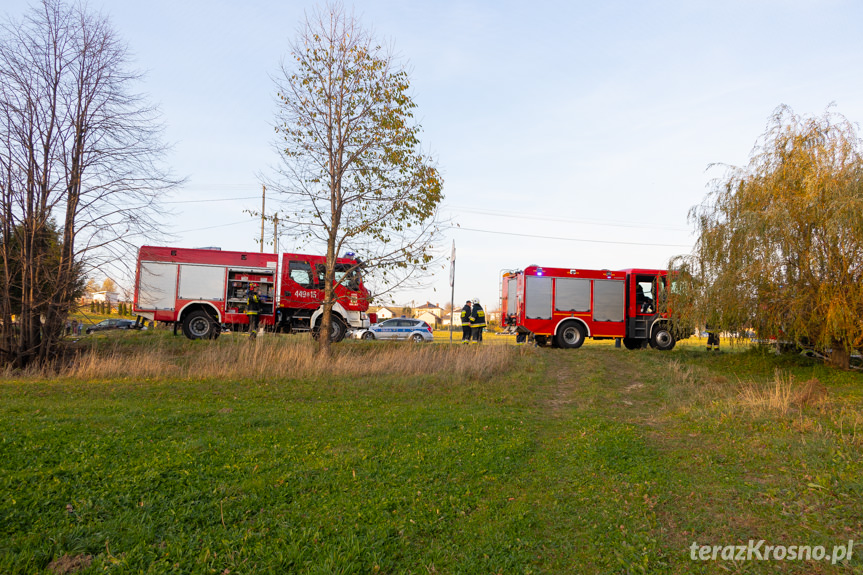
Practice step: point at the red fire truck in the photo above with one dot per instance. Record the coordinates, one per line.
(564, 306)
(202, 289)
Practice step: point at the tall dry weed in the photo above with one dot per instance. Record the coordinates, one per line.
(847, 423)
(781, 395)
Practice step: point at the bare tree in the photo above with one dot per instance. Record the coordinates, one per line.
(352, 175)
(79, 146)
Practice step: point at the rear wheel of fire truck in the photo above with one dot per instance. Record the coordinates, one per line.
(199, 325)
(570, 335)
(634, 343)
(662, 339)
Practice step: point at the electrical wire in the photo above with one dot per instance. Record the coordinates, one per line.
(504, 233)
(569, 239)
(218, 200)
(214, 227)
(525, 216)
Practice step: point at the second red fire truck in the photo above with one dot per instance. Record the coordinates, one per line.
(563, 306)
(200, 290)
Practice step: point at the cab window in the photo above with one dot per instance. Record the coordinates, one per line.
(645, 294)
(301, 272)
(349, 279)
(321, 275)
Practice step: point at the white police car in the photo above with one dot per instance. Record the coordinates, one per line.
(415, 330)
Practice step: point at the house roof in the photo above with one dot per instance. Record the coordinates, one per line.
(392, 310)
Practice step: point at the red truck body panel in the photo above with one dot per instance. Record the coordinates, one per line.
(172, 283)
(545, 301)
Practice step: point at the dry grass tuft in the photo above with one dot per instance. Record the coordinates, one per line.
(690, 383)
(811, 392)
(70, 564)
(781, 395)
(283, 358)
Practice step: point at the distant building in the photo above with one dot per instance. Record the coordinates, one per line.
(456, 319)
(111, 297)
(429, 307)
(430, 318)
(387, 312)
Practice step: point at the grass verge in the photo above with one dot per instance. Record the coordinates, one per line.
(154, 454)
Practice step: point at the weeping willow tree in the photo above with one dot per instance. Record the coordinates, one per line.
(780, 241)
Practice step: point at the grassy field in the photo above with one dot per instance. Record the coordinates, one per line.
(154, 454)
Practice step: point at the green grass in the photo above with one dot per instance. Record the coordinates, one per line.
(598, 460)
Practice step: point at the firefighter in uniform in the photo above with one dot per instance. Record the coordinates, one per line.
(465, 322)
(253, 308)
(712, 336)
(477, 321)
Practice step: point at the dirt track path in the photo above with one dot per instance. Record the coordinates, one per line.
(611, 381)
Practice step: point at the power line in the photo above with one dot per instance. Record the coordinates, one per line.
(495, 232)
(213, 227)
(569, 239)
(525, 216)
(218, 200)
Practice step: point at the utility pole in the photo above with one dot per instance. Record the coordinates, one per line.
(452, 285)
(263, 218)
(276, 233)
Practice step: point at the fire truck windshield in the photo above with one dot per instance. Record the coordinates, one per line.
(349, 278)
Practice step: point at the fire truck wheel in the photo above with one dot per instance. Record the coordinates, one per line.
(199, 325)
(337, 331)
(662, 339)
(633, 343)
(570, 335)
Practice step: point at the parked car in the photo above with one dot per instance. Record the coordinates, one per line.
(415, 330)
(111, 324)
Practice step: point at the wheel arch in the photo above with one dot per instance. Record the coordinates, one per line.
(208, 307)
(338, 311)
(576, 319)
(659, 322)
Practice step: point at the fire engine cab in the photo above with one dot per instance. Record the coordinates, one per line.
(563, 306)
(202, 289)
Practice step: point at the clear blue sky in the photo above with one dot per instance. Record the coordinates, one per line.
(552, 122)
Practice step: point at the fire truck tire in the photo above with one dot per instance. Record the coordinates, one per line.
(199, 325)
(633, 343)
(570, 335)
(337, 331)
(662, 339)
